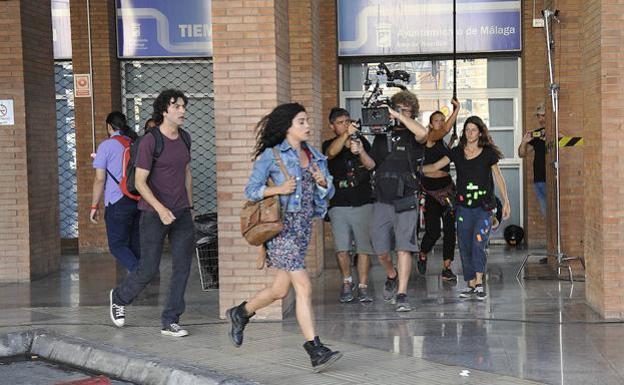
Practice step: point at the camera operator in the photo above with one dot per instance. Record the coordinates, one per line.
(351, 207)
(536, 139)
(395, 212)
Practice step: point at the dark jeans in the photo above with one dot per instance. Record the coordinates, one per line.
(434, 211)
(122, 230)
(473, 232)
(182, 241)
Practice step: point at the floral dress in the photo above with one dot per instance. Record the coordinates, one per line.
(287, 250)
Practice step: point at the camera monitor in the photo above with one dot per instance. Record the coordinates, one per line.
(375, 116)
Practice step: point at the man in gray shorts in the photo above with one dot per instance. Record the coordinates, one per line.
(395, 213)
(351, 207)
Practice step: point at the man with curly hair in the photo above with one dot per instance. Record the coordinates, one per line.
(163, 178)
(395, 212)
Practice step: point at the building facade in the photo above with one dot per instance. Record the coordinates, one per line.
(237, 59)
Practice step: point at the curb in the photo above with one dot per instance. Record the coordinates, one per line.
(124, 365)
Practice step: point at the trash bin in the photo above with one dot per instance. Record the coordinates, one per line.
(207, 250)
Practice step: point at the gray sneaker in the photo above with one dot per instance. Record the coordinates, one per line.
(390, 288)
(402, 304)
(363, 295)
(173, 330)
(346, 295)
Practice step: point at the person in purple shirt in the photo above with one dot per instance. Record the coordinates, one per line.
(121, 214)
(165, 185)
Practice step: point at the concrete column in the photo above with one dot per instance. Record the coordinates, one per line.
(29, 213)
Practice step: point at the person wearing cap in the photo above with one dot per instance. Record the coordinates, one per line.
(536, 141)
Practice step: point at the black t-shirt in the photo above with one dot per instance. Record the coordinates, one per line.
(395, 169)
(351, 178)
(475, 184)
(438, 151)
(539, 161)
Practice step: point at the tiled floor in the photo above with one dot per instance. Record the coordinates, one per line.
(542, 331)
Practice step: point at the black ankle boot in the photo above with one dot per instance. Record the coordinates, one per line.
(238, 319)
(320, 355)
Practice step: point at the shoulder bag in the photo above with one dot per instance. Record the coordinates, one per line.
(263, 220)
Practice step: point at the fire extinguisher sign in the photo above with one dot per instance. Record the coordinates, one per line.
(82, 85)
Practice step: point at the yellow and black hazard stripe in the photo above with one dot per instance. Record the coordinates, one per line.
(571, 141)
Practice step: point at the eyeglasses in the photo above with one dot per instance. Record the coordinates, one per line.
(342, 122)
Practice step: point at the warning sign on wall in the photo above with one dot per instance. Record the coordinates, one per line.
(82, 85)
(6, 112)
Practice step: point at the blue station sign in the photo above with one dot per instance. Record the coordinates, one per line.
(415, 27)
(164, 28)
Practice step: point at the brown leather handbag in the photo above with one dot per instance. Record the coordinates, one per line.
(262, 220)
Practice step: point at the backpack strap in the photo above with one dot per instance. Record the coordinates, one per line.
(125, 142)
(112, 176)
(186, 138)
(160, 141)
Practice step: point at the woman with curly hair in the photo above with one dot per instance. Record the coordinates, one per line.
(282, 138)
(476, 161)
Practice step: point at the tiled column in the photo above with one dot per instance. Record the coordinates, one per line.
(306, 88)
(603, 122)
(29, 213)
(251, 76)
(106, 97)
(534, 91)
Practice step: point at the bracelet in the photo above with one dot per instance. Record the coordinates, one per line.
(94, 207)
(192, 207)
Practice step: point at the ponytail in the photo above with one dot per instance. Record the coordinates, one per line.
(118, 121)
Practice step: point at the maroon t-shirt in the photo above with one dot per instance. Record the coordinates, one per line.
(167, 172)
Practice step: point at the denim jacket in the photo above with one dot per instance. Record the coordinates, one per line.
(265, 166)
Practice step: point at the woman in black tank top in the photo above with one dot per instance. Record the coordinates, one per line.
(440, 181)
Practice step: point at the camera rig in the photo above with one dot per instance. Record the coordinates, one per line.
(374, 112)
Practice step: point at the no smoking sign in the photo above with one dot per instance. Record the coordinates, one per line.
(6, 112)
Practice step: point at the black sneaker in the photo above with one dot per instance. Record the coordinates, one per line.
(117, 312)
(173, 330)
(468, 292)
(422, 263)
(390, 288)
(402, 304)
(480, 293)
(448, 275)
(346, 295)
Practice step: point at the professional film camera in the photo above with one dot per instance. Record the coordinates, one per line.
(374, 112)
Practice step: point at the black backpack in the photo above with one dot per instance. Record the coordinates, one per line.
(158, 149)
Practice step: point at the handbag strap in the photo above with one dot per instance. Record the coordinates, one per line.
(278, 159)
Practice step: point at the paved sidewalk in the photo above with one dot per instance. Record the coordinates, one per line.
(543, 331)
(76, 307)
(270, 355)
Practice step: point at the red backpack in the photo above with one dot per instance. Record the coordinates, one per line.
(126, 143)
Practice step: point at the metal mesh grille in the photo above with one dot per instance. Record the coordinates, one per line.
(66, 144)
(141, 83)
